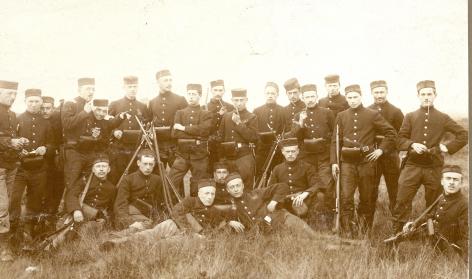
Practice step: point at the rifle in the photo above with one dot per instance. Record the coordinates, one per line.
(403, 235)
(338, 186)
(125, 172)
(205, 104)
(262, 181)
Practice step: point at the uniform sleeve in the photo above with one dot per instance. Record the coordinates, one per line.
(180, 210)
(274, 176)
(404, 135)
(203, 127)
(70, 118)
(463, 236)
(177, 120)
(331, 123)
(276, 192)
(220, 135)
(382, 127)
(112, 109)
(158, 190)
(461, 135)
(248, 130)
(397, 120)
(121, 204)
(50, 140)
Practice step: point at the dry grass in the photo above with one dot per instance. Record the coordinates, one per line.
(225, 255)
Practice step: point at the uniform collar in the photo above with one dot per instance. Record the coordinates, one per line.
(197, 106)
(291, 164)
(215, 101)
(164, 94)
(4, 107)
(312, 108)
(272, 106)
(142, 175)
(452, 196)
(297, 103)
(335, 96)
(383, 105)
(359, 108)
(431, 108)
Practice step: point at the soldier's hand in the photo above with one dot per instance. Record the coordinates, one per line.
(178, 126)
(222, 110)
(335, 171)
(88, 107)
(41, 150)
(419, 148)
(237, 226)
(124, 115)
(298, 200)
(408, 227)
(78, 216)
(118, 134)
(374, 155)
(236, 118)
(16, 144)
(443, 148)
(271, 206)
(303, 116)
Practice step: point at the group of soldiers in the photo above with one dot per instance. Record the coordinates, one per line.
(276, 167)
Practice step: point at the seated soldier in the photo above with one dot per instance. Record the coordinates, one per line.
(139, 195)
(221, 171)
(298, 177)
(203, 218)
(257, 209)
(449, 216)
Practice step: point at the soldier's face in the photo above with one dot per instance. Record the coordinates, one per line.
(207, 195)
(293, 95)
(451, 182)
(100, 112)
(239, 102)
(235, 187)
(271, 95)
(310, 98)
(7, 96)
(165, 83)
(101, 169)
(353, 99)
(220, 175)
(33, 104)
(131, 90)
(427, 96)
(47, 109)
(193, 97)
(332, 88)
(217, 92)
(290, 153)
(146, 164)
(87, 92)
(379, 94)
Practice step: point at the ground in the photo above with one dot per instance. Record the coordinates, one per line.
(226, 255)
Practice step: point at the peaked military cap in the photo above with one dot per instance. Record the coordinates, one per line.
(425, 84)
(238, 92)
(291, 84)
(332, 79)
(162, 73)
(308, 87)
(218, 82)
(100, 102)
(86, 81)
(32, 93)
(353, 88)
(378, 83)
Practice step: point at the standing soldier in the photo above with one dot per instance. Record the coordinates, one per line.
(388, 164)
(218, 108)
(270, 118)
(334, 101)
(191, 129)
(73, 116)
(126, 136)
(358, 127)
(10, 147)
(32, 173)
(421, 134)
(292, 89)
(237, 134)
(163, 108)
(313, 127)
(54, 164)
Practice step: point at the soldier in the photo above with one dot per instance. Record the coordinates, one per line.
(10, 147)
(388, 164)
(271, 122)
(126, 136)
(292, 89)
(358, 127)
(237, 134)
(138, 195)
(257, 208)
(421, 134)
(163, 108)
(207, 216)
(54, 163)
(31, 174)
(334, 101)
(298, 177)
(449, 216)
(313, 127)
(90, 136)
(191, 129)
(218, 108)
(220, 172)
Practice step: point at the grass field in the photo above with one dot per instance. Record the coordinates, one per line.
(225, 255)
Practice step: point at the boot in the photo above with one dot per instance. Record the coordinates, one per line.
(6, 254)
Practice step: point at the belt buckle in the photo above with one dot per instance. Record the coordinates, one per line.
(239, 145)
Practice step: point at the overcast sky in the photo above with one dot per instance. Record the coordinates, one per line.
(48, 44)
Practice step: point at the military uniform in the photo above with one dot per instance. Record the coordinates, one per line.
(271, 122)
(236, 140)
(358, 128)
(336, 103)
(291, 110)
(122, 149)
(192, 146)
(425, 126)
(135, 197)
(388, 164)
(31, 174)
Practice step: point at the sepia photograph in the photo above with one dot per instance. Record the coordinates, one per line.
(234, 139)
